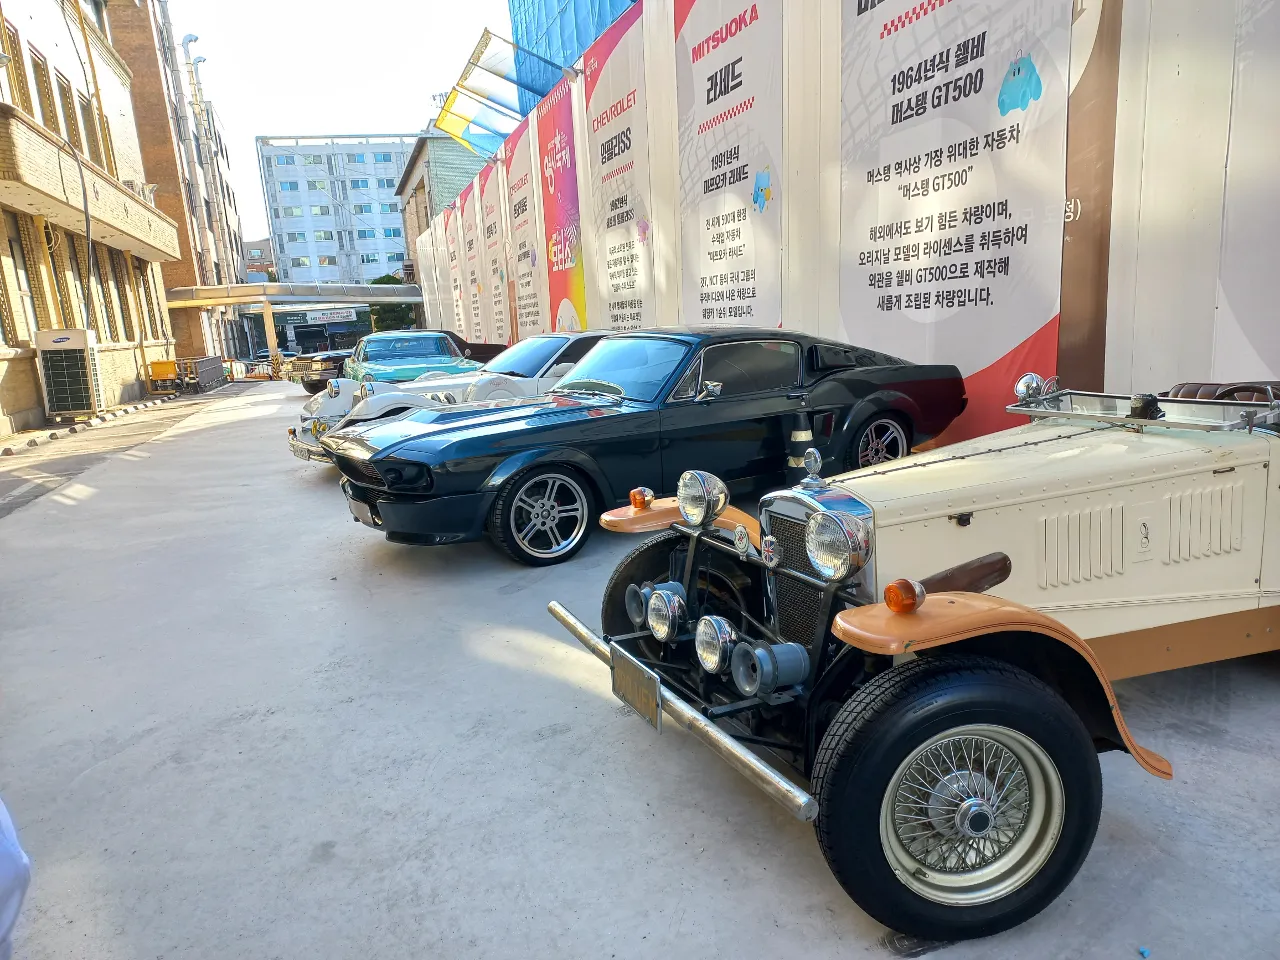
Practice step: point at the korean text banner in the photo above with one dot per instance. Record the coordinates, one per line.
(953, 167)
(618, 143)
(453, 244)
(495, 259)
(729, 105)
(566, 276)
(472, 271)
(528, 263)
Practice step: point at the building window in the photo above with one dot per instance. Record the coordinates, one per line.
(359, 184)
(284, 161)
(299, 261)
(386, 183)
(255, 252)
(363, 208)
(69, 120)
(382, 158)
(395, 258)
(100, 291)
(366, 234)
(122, 288)
(24, 280)
(275, 213)
(355, 158)
(44, 90)
(390, 232)
(368, 258)
(391, 208)
(320, 211)
(289, 185)
(324, 234)
(18, 70)
(327, 260)
(148, 306)
(317, 185)
(91, 131)
(313, 159)
(293, 211)
(299, 237)
(77, 279)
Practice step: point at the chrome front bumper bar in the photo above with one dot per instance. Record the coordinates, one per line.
(308, 451)
(797, 802)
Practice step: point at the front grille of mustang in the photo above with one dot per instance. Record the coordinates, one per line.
(798, 602)
(361, 471)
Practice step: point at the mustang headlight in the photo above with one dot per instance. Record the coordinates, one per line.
(837, 543)
(714, 642)
(701, 496)
(666, 611)
(366, 390)
(333, 389)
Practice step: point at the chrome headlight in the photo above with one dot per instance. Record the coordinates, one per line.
(701, 496)
(365, 391)
(714, 642)
(837, 543)
(333, 389)
(666, 611)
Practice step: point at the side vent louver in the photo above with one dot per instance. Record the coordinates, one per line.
(1081, 545)
(1205, 522)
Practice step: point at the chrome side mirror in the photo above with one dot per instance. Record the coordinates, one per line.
(466, 352)
(710, 390)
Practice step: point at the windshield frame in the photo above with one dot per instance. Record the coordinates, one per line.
(691, 350)
(451, 351)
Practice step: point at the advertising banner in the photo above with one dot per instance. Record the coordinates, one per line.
(566, 276)
(527, 263)
(442, 314)
(953, 189)
(453, 244)
(729, 104)
(618, 144)
(472, 265)
(495, 258)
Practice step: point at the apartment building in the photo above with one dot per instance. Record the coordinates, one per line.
(259, 261)
(437, 169)
(186, 158)
(331, 202)
(70, 153)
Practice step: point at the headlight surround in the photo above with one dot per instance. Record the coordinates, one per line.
(714, 641)
(666, 611)
(838, 543)
(701, 496)
(333, 389)
(365, 391)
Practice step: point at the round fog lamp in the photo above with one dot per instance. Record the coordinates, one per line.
(837, 543)
(665, 614)
(333, 389)
(714, 642)
(701, 496)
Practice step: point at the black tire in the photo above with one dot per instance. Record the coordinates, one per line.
(865, 750)
(650, 562)
(508, 511)
(314, 386)
(876, 425)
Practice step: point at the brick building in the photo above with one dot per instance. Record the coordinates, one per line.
(66, 113)
(185, 157)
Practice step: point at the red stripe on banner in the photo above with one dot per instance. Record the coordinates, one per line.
(724, 115)
(615, 173)
(913, 15)
(990, 390)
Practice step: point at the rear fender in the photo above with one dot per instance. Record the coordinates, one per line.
(520, 462)
(979, 624)
(884, 401)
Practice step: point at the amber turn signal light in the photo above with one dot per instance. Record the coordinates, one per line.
(904, 596)
(641, 498)
(293, 432)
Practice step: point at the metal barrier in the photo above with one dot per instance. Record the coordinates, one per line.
(198, 374)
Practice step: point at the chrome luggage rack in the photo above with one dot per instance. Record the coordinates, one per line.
(1145, 410)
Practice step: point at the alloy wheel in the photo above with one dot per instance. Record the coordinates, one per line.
(549, 515)
(882, 440)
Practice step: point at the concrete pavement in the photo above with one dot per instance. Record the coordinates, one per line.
(234, 723)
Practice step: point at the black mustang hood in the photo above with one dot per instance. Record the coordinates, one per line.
(487, 424)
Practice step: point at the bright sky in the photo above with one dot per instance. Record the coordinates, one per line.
(278, 67)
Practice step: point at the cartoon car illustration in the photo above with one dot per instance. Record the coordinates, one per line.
(1020, 86)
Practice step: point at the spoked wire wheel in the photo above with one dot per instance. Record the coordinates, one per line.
(971, 815)
(548, 516)
(880, 441)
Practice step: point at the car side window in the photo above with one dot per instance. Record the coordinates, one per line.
(687, 388)
(577, 349)
(759, 365)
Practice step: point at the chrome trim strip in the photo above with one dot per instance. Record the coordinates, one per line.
(799, 803)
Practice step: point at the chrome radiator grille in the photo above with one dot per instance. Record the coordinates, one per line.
(797, 603)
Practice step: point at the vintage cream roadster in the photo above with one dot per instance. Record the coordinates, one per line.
(919, 656)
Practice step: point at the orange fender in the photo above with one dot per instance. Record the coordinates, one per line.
(662, 513)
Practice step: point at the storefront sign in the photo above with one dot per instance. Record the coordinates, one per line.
(729, 100)
(953, 188)
(527, 263)
(618, 142)
(495, 260)
(453, 244)
(566, 276)
(473, 270)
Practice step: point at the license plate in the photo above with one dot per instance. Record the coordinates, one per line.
(301, 453)
(361, 512)
(637, 686)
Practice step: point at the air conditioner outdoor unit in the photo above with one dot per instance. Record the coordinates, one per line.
(69, 371)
